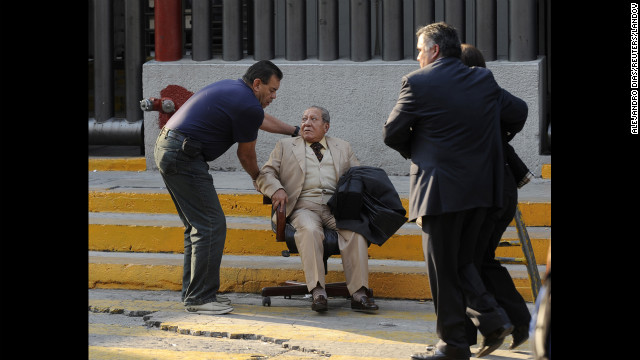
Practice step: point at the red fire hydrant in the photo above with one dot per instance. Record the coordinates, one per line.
(171, 99)
(163, 105)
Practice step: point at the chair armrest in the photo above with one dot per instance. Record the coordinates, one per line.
(281, 222)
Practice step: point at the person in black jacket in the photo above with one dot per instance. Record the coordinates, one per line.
(366, 202)
(496, 277)
(448, 120)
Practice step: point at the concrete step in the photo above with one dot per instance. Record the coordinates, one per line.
(393, 279)
(145, 192)
(534, 213)
(134, 234)
(254, 236)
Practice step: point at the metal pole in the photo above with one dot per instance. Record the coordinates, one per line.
(423, 14)
(522, 30)
(231, 30)
(525, 242)
(486, 28)
(103, 56)
(392, 45)
(116, 132)
(327, 30)
(454, 16)
(134, 57)
(295, 30)
(168, 30)
(201, 30)
(263, 33)
(360, 27)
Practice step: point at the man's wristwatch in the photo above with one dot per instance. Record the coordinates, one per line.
(296, 131)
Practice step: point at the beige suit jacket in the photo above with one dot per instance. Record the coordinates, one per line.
(286, 167)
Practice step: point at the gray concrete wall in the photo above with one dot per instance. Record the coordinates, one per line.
(358, 95)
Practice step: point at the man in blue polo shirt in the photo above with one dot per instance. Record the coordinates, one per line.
(205, 127)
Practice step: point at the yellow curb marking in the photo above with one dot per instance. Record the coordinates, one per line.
(533, 214)
(118, 164)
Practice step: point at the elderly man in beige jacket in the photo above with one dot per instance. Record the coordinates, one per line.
(303, 172)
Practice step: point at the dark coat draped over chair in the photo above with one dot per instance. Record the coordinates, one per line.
(366, 202)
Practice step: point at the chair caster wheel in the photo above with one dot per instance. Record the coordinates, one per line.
(266, 301)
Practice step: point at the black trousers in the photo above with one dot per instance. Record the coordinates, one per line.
(450, 242)
(496, 277)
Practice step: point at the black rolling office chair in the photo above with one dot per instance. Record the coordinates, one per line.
(285, 233)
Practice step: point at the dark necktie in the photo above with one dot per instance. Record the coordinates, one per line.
(316, 146)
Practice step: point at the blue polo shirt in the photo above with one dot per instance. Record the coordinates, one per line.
(219, 115)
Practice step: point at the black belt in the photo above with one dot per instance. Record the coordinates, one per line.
(174, 134)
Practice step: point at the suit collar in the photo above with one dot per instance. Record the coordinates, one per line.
(331, 145)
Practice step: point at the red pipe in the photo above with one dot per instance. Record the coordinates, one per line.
(168, 30)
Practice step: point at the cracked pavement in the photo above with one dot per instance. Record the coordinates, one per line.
(132, 324)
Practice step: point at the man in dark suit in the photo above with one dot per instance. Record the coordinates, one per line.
(496, 277)
(448, 121)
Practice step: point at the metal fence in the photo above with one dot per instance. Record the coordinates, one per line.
(125, 34)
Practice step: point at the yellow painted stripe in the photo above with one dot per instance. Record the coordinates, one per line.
(390, 284)
(170, 239)
(135, 277)
(131, 202)
(118, 164)
(533, 214)
(262, 242)
(232, 204)
(545, 172)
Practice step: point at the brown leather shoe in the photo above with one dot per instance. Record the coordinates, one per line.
(365, 303)
(319, 304)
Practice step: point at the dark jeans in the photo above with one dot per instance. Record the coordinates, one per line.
(191, 188)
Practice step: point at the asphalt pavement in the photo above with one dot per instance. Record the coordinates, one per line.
(133, 324)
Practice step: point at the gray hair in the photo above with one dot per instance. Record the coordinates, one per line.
(325, 113)
(445, 35)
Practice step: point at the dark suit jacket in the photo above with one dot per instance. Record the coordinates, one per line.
(448, 121)
(366, 202)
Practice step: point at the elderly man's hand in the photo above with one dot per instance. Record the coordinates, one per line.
(279, 198)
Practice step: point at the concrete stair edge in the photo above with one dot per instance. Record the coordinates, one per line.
(152, 271)
(254, 236)
(162, 271)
